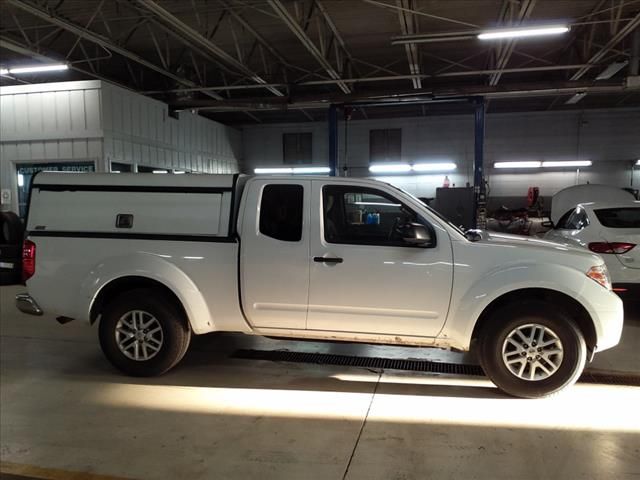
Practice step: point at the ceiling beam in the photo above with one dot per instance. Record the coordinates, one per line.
(13, 46)
(197, 38)
(628, 28)
(299, 32)
(526, 7)
(418, 12)
(408, 26)
(439, 94)
(387, 78)
(103, 41)
(247, 26)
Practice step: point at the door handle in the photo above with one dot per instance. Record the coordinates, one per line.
(327, 259)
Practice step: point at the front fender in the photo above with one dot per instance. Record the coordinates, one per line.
(155, 268)
(470, 301)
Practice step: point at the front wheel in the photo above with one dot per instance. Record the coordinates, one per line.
(532, 349)
(142, 334)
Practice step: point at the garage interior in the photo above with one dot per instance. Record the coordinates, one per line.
(416, 93)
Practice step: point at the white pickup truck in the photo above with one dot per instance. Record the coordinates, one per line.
(154, 259)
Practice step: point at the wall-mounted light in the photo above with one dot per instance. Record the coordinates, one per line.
(34, 69)
(545, 164)
(517, 164)
(262, 171)
(303, 170)
(569, 163)
(434, 167)
(290, 170)
(638, 163)
(417, 167)
(502, 33)
(390, 168)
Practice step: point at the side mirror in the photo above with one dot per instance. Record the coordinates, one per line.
(547, 224)
(473, 235)
(416, 234)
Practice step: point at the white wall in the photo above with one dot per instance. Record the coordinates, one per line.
(610, 138)
(42, 123)
(97, 122)
(139, 130)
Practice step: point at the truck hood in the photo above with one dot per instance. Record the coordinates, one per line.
(542, 251)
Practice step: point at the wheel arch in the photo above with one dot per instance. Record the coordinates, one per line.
(119, 285)
(572, 307)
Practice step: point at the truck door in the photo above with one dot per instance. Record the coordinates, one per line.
(274, 253)
(363, 277)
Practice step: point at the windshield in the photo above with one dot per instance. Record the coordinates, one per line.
(431, 210)
(628, 217)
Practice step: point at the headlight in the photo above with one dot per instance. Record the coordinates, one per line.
(600, 274)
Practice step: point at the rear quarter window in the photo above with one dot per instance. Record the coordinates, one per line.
(619, 217)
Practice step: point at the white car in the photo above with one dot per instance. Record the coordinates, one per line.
(154, 259)
(611, 230)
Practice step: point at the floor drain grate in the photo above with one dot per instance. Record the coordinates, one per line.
(366, 362)
(611, 379)
(411, 365)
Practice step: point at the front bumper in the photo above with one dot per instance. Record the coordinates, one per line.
(608, 320)
(27, 304)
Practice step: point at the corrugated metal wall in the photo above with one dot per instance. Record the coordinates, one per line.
(94, 121)
(139, 130)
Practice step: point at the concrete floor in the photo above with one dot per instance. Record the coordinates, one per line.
(64, 409)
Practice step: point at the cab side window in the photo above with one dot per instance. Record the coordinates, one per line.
(281, 212)
(363, 216)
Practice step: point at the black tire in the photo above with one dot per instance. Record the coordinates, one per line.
(510, 317)
(175, 332)
(11, 228)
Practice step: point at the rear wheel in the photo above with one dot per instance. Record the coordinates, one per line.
(532, 349)
(142, 334)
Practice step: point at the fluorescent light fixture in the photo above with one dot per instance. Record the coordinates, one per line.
(523, 32)
(160, 171)
(638, 162)
(4, 71)
(115, 171)
(434, 167)
(311, 170)
(290, 170)
(569, 163)
(611, 70)
(39, 68)
(576, 98)
(272, 170)
(178, 172)
(390, 168)
(20, 180)
(517, 164)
